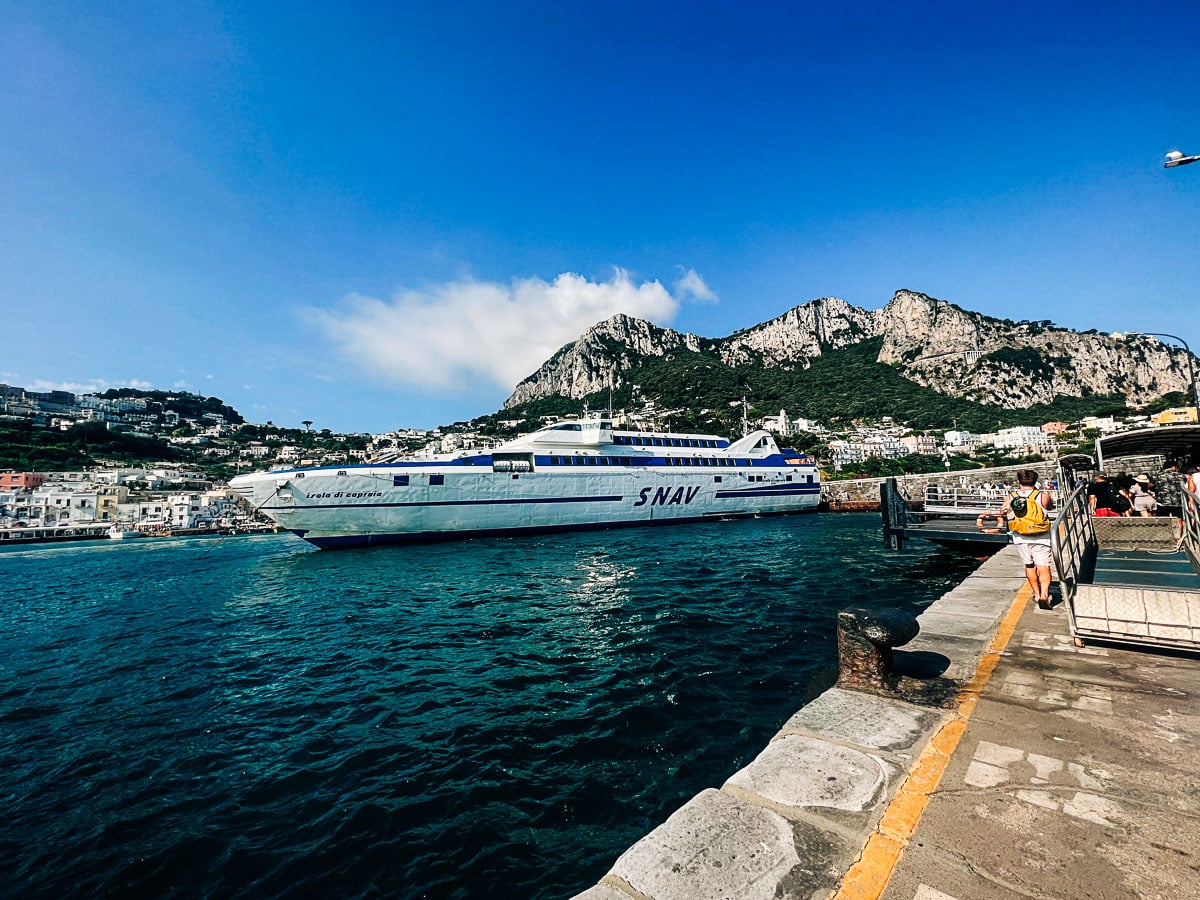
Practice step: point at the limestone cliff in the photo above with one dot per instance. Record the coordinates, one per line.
(931, 342)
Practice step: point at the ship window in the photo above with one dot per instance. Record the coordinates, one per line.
(789, 478)
(437, 479)
(574, 426)
(515, 477)
(717, 478)
(399, 481)
(591, 460)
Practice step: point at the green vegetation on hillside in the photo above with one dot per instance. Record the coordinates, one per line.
(188, 406)
(840, 386)
(25, 447)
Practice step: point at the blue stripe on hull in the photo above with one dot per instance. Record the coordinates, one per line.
(607, 498)
(768, 492)
(344, 541)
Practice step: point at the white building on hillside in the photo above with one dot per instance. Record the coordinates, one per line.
(1022, 436)
(925, 444)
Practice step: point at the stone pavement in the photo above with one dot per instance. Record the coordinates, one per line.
(1015, 765)
(1078, 775)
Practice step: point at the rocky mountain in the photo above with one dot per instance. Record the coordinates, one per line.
(929, 342)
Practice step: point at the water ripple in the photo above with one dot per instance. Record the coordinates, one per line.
(253, 719)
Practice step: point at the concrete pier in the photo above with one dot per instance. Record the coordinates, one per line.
(1005, 762)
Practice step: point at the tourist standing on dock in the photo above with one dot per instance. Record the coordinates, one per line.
(1193, 484)
(1100, 496)
(1025, 510)
(1109, 498)
(1145, 500)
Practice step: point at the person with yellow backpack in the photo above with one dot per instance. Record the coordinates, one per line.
(1025, 510)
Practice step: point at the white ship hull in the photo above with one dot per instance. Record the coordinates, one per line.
(537, 484)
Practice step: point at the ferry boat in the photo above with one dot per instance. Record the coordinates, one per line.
(572, 474)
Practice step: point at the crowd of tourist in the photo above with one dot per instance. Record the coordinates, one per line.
(1139, 495)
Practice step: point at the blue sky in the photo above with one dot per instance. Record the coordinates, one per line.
(384, 215)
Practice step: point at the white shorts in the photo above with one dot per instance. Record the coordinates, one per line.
(1034, 553)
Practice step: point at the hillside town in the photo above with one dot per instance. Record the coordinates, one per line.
(173, 497)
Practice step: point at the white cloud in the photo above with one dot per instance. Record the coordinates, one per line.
(691, 285)
(449, 335)
(182, 386)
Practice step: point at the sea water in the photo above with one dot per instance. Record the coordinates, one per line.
(252, 718)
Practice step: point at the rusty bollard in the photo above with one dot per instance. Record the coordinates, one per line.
(865, 641)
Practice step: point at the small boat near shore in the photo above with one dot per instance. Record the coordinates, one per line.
(122, 532)
(573, 474)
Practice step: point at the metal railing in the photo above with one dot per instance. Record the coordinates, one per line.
(1073, 543)
(1191, 526)
(952, 501)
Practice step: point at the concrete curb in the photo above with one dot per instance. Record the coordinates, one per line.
(795, 820)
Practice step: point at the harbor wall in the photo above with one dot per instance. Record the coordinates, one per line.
(794, 821)
(863, 493)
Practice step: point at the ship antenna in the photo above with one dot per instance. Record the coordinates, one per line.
(745, 422)
(610, 387)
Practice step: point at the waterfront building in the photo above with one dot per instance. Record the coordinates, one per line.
(194, 510)
(146, 511)
(108, 501)
(50, 505)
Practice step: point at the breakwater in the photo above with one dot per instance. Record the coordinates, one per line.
(451, 720)
(863, 493)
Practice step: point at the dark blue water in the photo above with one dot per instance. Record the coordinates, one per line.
(485, 718)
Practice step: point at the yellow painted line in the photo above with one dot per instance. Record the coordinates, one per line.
(868, 877)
